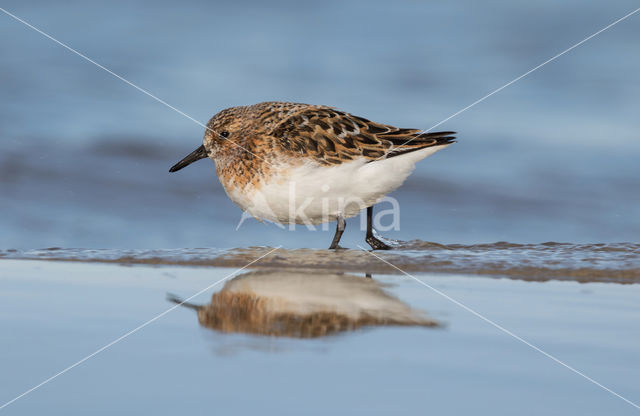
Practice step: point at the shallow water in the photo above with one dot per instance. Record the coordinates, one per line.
(615, 262)
(59, 312)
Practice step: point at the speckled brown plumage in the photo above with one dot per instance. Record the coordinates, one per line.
(293, 163)
(264, 135)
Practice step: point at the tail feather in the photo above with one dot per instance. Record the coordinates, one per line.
(406, 143)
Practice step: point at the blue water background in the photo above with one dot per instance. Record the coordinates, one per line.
(84, 156)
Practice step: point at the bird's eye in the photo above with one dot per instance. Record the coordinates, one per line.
(224, 134)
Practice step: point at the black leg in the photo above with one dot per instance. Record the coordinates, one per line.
(370, 239)
(340, 226)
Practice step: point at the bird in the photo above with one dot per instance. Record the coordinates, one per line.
(293, 163)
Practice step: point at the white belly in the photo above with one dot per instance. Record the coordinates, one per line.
(314, 194)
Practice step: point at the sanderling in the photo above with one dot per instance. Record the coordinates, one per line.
(296, 163)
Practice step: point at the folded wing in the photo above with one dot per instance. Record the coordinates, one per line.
(330, 137)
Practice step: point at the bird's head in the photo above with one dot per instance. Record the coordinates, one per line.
(222, 132)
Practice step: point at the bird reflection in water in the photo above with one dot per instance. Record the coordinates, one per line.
(303, 304)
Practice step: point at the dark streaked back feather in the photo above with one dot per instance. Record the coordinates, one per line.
(330, 136)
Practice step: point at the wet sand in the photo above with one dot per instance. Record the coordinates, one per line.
(613, 262)
(338, 343)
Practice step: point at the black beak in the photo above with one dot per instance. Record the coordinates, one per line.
(199, 153)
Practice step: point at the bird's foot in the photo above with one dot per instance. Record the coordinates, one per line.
(377, 244)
